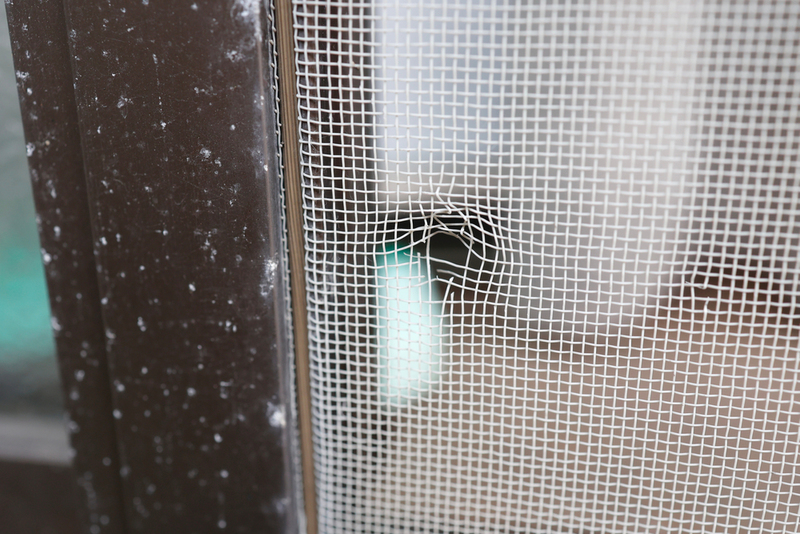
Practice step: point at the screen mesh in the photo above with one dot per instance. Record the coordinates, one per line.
(551, 264)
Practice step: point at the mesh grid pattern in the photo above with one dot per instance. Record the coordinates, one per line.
(551, 253)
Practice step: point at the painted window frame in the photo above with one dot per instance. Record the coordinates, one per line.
(156, 154)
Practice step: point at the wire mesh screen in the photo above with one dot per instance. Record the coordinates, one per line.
(551, 263)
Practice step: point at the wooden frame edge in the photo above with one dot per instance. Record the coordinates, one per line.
(294, 216)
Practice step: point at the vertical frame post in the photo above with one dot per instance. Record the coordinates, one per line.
(172, 211)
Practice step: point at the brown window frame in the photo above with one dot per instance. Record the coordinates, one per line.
(156, 154)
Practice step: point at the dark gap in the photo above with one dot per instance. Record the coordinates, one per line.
(461, 250)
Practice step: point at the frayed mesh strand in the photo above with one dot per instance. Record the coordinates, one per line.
(551, 253)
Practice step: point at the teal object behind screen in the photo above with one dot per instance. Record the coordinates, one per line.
(410, 325)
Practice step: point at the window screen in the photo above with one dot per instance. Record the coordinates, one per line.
(551, 264)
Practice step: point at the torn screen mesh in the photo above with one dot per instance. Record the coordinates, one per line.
(551, 263)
